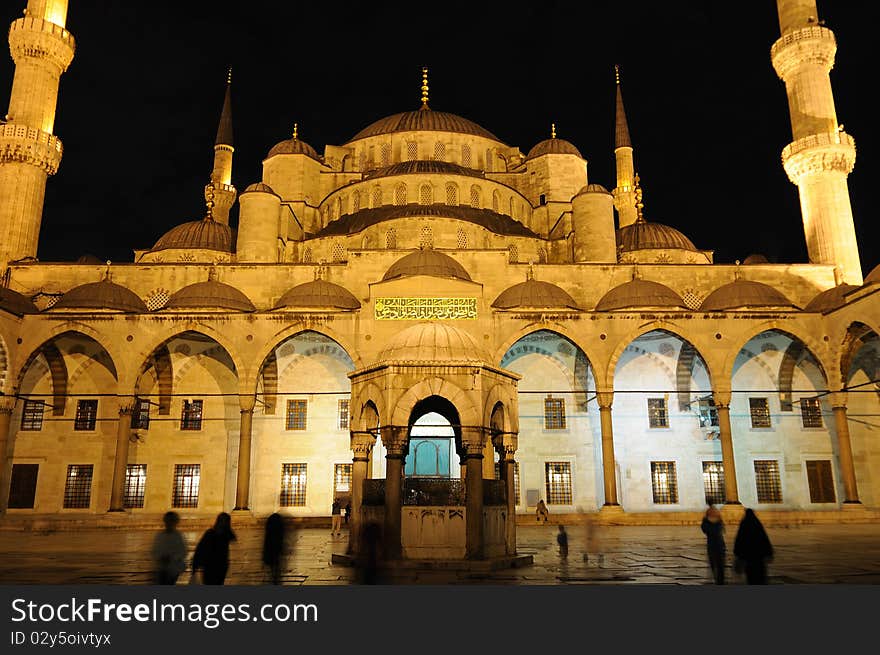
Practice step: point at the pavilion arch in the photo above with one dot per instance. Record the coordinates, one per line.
(460, 399)
(498, 397)
(440, 405)
(369, 396)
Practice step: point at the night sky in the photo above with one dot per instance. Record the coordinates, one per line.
(708, 117)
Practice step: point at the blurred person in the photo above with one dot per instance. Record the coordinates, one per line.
(273, 546)
(212, 551)
(591, 539)
(169, 551)
(369, 554)
(752, 549)
(562, 540)
(336, 513)
(347, 512)
(713, 527)
(541, 511)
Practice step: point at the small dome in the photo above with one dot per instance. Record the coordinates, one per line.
(754, 259)
(206, 234)
(427, 262)
(742, 294)
(210, 295)
(15, 303)
(642, 235)
(873, 276)
(535, 293)
(102, 295)
(259, 186)
(294, 147)
(423, 120)
(88, 259)
(318, 293)
(639, 293)
(830, 298)
(431, 342)
(594, 188)
(554, 147)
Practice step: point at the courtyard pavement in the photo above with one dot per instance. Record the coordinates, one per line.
(810, 554)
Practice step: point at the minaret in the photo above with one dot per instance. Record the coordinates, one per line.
(821, 155)
(624, 192)
(42, 50)
(221, 177)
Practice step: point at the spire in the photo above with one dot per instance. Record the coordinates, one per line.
(209, 201)
(639, 204)
(552, 130)
(621, 129)
(224, 129)
(295, 131)
(424, 89)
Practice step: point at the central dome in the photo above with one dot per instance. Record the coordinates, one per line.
(430, 342)
(427, 262)
(423, 120)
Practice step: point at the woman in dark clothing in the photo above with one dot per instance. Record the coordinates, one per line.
(273, 546)
(752, 548)
(212, 551)
(713, 527)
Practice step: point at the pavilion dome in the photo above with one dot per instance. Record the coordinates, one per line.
(423, 120)
(554, 146)
(593, 188)
(294, 146)
(427, 262)
(211, 295)
(431, 342)
(206, 234)
(643, 235)
(744, 294)
(104, 295)
(639, 293)
(830, 298)
(259, 186)
(15, 303)
(319, 293)
(535, 293)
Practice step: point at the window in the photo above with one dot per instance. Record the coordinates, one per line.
(760, 412)
(461, 239)
(657, 416)
(512, 254)
(412, 150)
(191, 415)
(337, 252)
(78, 487)
(86, 415)
(452, 194)
(341, 480)
(23, 486)
(496, 201)
(140, 414)
(708, 413)
(465, 155)
(713, 483)
(400, 195)
(391, 239)
(135, 484)
(426, 237)
(767, 481)
(187, 478)
(475, 197)
(297, 411)
(811, 412)
(32, 415)
(342, 412)
(515, 478)
(377, 196)
(426, 194)
(558, 481)
(293, 485)
(439, 151)
(821, 481)
(542, 199)
(386, 154)
(664, 484)
(554, 413)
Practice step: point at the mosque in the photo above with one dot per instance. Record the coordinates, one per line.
(438, 328)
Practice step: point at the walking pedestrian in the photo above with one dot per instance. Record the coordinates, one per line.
(541, 511)
(347, 512)
(713, 527)
(752, 549)
(591, 540)
(212, 551)
(562, 540)
(169, 551)
(336, 512)
(273, 546)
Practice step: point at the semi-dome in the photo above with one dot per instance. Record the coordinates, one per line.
(259, 186)
(105, 295)
(638, 294)
(15, 303)
(294, 146)
(535, 293)
(830, 298)
(206, 234)
(643, 235)
(755, 259)
(423, 120)
(873, 276)
(318, 293)
(432, 342)
(210, 295)
(744, 294)
(554, 146)
(427, 262)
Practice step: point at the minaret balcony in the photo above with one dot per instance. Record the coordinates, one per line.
(809, 45)
(28, 145)
(819, 153)
(32, 37)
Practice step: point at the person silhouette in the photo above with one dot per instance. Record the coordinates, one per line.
(562, 540)
(752, 548)
(541, 511)
(212, 552)
(273, 546)
(169, 551)
(713, 527)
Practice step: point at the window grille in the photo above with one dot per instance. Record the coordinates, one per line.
(78, 486)
(759, 410)
(542, 256)
(23, 486)
(187, 479)
(657, 414)
(391, 239)
(515, 478)
(466, 155)
(386, 154)
(140, 414)
(664, 483)
(135, 485)
(293, 485)
(496, 202)
(558, 482)
(400, 195)
(86, 415)
(713, 483)
(821, 481)
(341, 480)
(426, 237)
(377, 196)
(412, 150)
(811, 412)
(32, 415)
(692, 299)
(554, 413)
(512, 254)
(767, 482)
(191, 415)
(157, 299)
(475, 197)
(426, 194)
(342, 411)
(452, 194)
(307, 256)
(337, 253)
(297, 411)
(461, 238)
(439, 151)
(489, 159)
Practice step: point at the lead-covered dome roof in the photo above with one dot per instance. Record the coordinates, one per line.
(873, 276)
(643, 235)
(206, 234)
(15, 303)
(427, 262)
(294, 146)
(745, 294)
(423, 166)
(423, 120)
(210, 295)
(106, 295)
(319, 293)
(432, 342)
(830, 298)
(535, 293)
(554, 146)
(639, 293)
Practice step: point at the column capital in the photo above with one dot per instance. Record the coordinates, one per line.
(605, 398)
(838, 399)
(362, 445)
(246, 402)
(126, 405)
(505, 445)
(721, 397)
(395, 439)
(473, 440)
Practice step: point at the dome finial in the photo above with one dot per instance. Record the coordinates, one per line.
(530, 274)
(107, 274)
(639, 204)
(295, 131)
(229, 75)
(424, 88)
(552, 130)
(617, 74)
(209, 201)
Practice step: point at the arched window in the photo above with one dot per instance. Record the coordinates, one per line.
(452, 194)
(496, 202)
(426, 194)
(377, 196)
(371, 158)
(400, 194)
(412, 151)
(362, 160)
(465, 155)
(426, 237)
(542, 255)
(462, 239)
(386, 154)
(337, 253)
(355, 201)
(391, 239)
(439, 151)
(307, 256)
(488, 159)
(475, 197)
(512, 254)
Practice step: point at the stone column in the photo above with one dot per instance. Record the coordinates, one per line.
(847, 468)
(123, 436)
(472, 445)
(243, 486)
(361, 448)
(505, 445)
(605, 399)
(395, 447)
(722, 406)
(7, 405)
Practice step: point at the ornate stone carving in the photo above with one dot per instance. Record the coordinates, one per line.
(810, 45)
(37, 38)
(362, 444)
(819, 153)
(28, 145)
